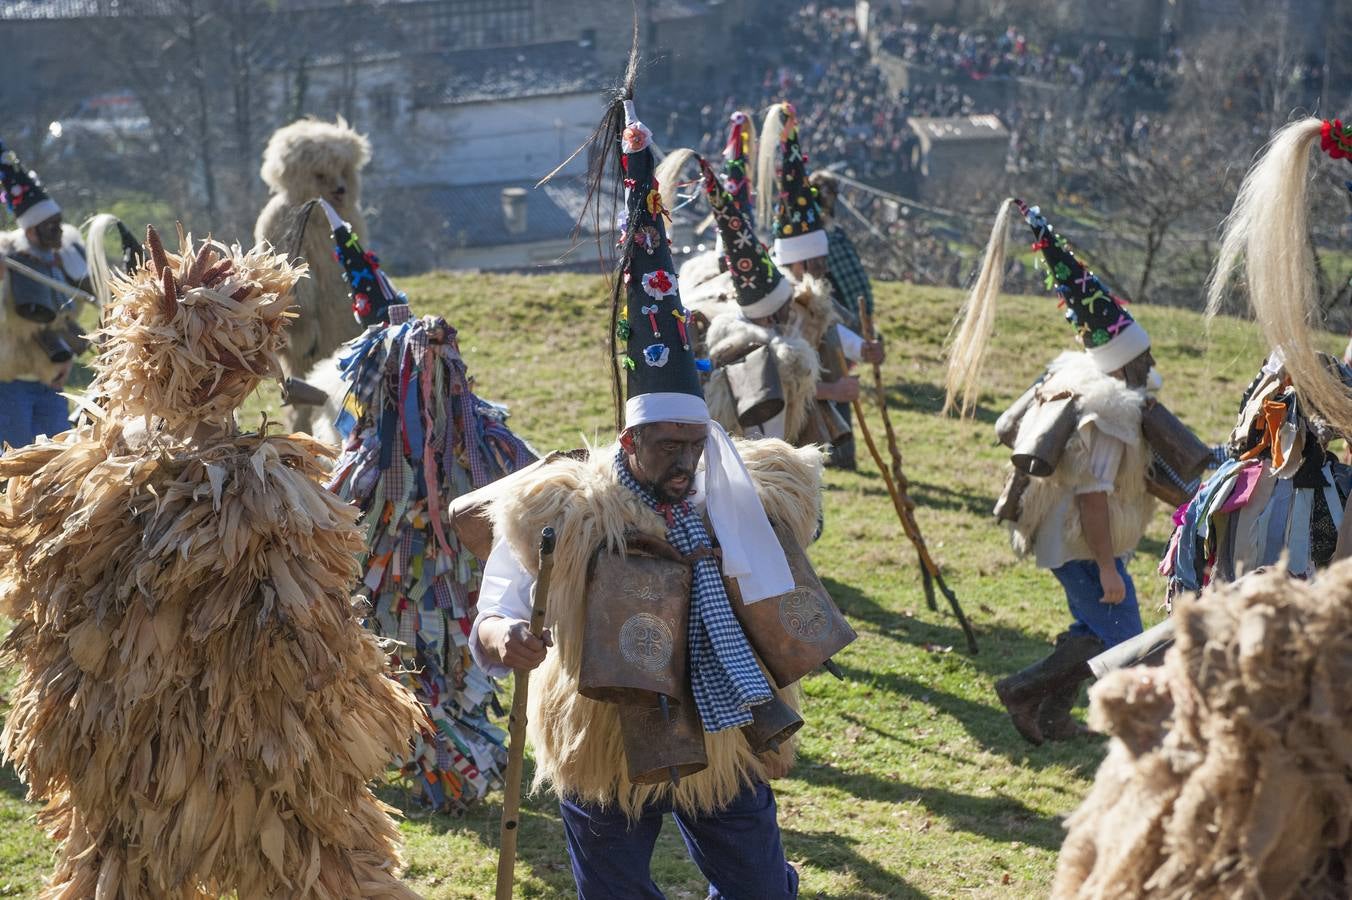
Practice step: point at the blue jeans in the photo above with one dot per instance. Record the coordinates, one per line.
(28, 409)
(738, 848)
(1084, 595)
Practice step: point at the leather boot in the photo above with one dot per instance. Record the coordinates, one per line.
(1054, 720)
(1023, 692)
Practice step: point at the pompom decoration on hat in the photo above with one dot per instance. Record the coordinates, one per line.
(1102, 324)
(1335, 139)
(22, 191)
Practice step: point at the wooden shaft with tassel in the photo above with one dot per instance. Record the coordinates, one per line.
(511, 789)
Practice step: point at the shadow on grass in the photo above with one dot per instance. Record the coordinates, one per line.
(1002, 649)
(837, 852)
(10, 783)
(984, 720)
(998, 818)
(925, 397)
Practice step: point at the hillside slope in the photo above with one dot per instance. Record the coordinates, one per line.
(910, 781)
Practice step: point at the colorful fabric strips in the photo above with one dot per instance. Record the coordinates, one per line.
(417, 437)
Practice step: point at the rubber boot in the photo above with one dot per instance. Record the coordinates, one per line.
(1054, 720)
(1023, 692)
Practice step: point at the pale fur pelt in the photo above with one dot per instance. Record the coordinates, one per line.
(328, 378)
(795, 361)
(578, 749)
(1105, 403)
(1229, 773)
(697, 270)
(21, 358)
(305, 160)
(813, 311)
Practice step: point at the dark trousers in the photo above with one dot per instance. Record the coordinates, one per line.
(737, 848)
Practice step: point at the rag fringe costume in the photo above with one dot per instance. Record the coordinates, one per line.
(1228, 774)
(1279, 491)
(416, 438)
(197, 702)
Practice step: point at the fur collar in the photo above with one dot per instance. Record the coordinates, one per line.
(1104, 401)
(577, 744)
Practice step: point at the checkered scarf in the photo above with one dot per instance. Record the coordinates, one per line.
(724, 675)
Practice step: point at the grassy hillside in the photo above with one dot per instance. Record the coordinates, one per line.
(910, 781)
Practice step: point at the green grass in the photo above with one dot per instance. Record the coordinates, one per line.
(910, 781)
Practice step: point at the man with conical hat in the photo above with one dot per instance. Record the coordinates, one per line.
(414, 437)
(673, 479)
(801, 246)
(762, 375)
(735, 174)
(1080, 460)
(39, 335)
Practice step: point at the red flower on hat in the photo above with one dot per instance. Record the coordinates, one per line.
(1335, 139)
(659, 283)
(361, 305)
(635, 137)
(745, 263)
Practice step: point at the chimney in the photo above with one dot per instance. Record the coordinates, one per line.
(514, 209)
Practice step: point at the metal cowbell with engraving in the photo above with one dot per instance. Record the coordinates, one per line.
(794, 633)
(634, 648)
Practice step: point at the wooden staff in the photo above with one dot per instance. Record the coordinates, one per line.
(897, 486)
(511, 789)
(47, 281)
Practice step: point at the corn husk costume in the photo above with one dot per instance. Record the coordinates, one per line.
(415, 438)
(197, 703)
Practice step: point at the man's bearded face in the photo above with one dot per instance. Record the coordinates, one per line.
(663, 457)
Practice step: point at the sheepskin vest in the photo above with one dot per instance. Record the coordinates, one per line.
(21, 357)
(1108, 405)
(578, 748)
(731, 337)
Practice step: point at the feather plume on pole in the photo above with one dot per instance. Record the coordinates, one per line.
(603, 160)
(1267, 236)
(970, 339)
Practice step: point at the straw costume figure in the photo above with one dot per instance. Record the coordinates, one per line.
(650, 700)
(197, 703)
(305, 161)
(1076, 499)
(415, 437)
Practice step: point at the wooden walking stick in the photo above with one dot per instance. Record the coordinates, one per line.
(511, 789)
(897, 485)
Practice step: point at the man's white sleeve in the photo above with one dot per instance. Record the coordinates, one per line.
(504, 593)
(851, 343)
(1105, 455)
